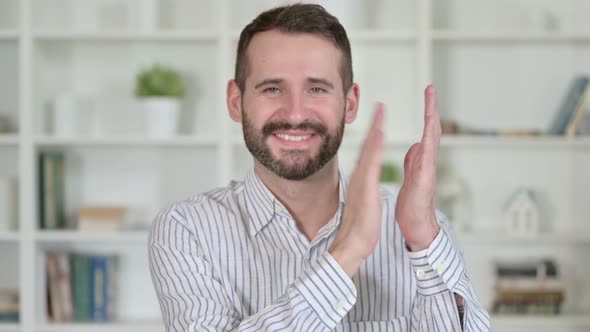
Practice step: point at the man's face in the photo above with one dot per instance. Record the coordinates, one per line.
(293, 105)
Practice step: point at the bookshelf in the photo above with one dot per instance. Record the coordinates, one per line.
(493, 66)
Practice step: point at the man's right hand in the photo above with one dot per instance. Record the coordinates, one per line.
(360, 228)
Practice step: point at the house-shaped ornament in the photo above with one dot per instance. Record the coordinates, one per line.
(521, 213)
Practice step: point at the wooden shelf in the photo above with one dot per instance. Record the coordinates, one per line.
(491, 142)
(450, 35)
(8, 34)
(72, 236)
(9, 327)
(154, 326)
(8, 139)
(180, 141)
(9, 236)
(557, 321)
(509, 142)
(494, 237)
(186, 35)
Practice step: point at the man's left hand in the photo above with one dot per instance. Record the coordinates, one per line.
(415, 209)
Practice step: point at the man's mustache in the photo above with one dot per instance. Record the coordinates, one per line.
(271, 127)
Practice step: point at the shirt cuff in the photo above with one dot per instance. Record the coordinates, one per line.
(328, 290)
(437, 268)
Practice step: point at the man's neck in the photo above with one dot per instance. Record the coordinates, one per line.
(312, 202)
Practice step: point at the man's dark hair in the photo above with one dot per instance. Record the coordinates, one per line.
(296, 18)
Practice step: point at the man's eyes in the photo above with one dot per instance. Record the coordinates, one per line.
(272, 89)
(275, 90)
(317, 89)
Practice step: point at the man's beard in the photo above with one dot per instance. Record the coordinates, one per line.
(295, 164)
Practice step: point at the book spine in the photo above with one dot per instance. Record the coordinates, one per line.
(81, 286)
(99, 288)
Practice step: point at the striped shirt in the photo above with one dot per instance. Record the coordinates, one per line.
(233, 259)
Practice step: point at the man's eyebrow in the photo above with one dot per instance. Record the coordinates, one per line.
(321, 81)
(268, 81)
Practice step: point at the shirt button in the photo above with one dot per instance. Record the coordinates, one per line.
(339, 305)
(307, 255)
(439, 268)
(420, 273)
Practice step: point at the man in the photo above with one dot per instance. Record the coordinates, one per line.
(296, 246)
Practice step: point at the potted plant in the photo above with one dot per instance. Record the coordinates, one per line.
(390, 176)
(160, 90)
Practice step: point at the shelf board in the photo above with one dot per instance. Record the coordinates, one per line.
(553, 238)
(9, 327)
(9, 236)
(155, 326)
(473, 141)
(73, 236)
(138, 141)
(559, 321)
(7, 34)
(449, 35)
(8, 139)
(514, 141)
(126, 36)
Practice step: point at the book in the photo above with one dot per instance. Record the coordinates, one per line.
(101, 218)
(568, 106)
(59, 287)
(582, 107)
(529, 268)
(81, 270)
(103, 288)
(51, 191)
(529, 284)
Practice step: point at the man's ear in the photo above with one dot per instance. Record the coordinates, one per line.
(352, 103)
(234, 101)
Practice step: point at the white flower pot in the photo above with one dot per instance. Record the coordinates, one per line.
(161, 116)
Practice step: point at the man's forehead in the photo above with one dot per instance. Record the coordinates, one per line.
(275, 48)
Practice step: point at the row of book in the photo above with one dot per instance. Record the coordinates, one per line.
(52, 201)
(9, 306)
(81, 288)
(529, 287)
(571, 119)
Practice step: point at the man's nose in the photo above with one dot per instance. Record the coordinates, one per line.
(294, 108)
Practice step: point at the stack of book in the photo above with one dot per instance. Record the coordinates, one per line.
(530, 287)
(81, 288)
(9, 306)
(101, 218)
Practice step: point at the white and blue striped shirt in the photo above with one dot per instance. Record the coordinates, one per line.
(233, 259)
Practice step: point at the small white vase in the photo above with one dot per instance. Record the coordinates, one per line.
(65, 116)
(161, 116)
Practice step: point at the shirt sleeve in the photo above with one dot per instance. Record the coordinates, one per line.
(193, 298)
(440, 273)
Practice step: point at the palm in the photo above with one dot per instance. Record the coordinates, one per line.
(415, 210)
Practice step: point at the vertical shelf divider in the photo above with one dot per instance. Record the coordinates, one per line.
(26, 155)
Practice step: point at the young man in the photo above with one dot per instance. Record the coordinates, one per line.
(296, 246)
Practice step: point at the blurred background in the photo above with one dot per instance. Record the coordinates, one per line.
(112, 109)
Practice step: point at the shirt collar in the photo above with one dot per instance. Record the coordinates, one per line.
(263, 205)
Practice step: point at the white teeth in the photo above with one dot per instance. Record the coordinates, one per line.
(292, 138)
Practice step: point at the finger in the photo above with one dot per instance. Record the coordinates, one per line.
(432, 128)
(372, 149)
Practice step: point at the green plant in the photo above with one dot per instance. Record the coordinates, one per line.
(390, 173)
(159, 81)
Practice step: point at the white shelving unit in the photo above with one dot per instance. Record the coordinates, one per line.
(493, 65)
